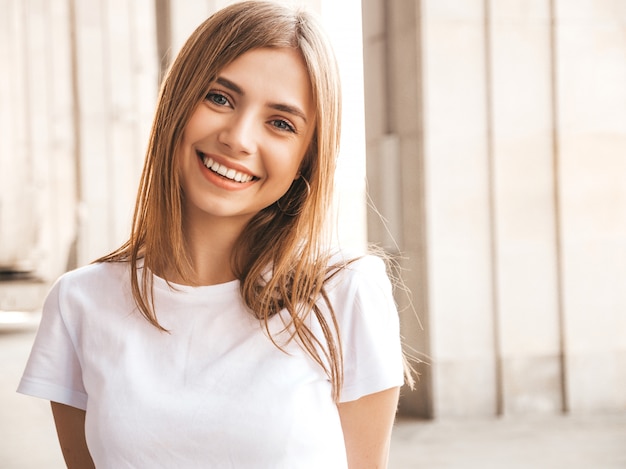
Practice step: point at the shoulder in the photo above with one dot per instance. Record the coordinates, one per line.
(93, 280)
(83, 294)
(98, 274)
(359, 289)
(352, 270)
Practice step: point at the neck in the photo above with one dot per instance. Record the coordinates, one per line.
(210, 244)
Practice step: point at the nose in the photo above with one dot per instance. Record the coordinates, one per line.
(238, 134)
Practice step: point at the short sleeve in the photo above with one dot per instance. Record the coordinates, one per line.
(53, 370)
(370, 331)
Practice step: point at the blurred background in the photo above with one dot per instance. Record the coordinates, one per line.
(484, 147)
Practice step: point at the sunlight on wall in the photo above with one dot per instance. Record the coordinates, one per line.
(342, 21)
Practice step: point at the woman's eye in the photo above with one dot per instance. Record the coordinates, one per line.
(217, 98)
(283, 125)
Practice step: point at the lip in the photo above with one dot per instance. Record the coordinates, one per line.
(221, 181)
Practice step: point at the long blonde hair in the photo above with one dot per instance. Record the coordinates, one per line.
(288, 237)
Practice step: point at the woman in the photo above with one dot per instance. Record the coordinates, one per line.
(240, 340)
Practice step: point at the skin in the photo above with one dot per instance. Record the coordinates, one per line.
(367, 424)
(70, 425)
(257, 120)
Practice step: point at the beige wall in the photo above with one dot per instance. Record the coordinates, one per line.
(116, 82)
(79, 82)
(512, 151)
(36, 144)
(592, 142)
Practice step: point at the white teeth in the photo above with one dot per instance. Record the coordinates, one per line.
(224, 171)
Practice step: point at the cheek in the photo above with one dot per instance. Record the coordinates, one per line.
(305, 163)
(284, 163)
(194, 123)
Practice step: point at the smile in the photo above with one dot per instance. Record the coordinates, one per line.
(228, 173)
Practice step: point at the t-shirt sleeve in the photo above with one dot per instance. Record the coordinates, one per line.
(370, 332)
(53, 370)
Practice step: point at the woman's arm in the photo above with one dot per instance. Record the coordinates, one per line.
(367, 424)
(70, 423)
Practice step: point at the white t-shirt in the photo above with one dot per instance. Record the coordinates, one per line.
(214, 391)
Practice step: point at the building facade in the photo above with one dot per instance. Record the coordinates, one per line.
(505, 122)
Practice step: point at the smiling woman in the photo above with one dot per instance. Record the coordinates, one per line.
(226, 332)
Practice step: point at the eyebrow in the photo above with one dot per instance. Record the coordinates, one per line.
(230, 85)
(289, 108)
(293, 110)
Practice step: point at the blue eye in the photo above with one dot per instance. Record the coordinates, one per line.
(217, 98)
(283, 125)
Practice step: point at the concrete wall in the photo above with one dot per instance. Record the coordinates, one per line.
(36, 142)
(116, 83)
(510, 125)
(591, 100)
(395, 162)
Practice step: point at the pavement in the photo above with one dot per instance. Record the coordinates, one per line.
(539, 442)
(28, 438)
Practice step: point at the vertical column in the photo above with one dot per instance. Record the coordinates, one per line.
(38, 111)
(405, 122)
(18, 223)
(395, 170)
(60, 193)
(95, 236)
(122, 112)
(116, 74)
(524, 212)
(457, 208)
(145, 74)
(591, 55)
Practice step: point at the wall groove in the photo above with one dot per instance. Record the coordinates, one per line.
(493, 235)
(554, 106)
